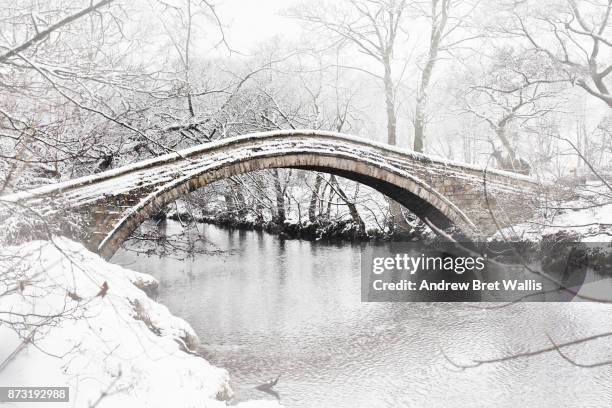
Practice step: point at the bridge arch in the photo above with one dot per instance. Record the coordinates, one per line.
(392, 181)
(449, 194)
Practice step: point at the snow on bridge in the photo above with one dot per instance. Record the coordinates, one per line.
(448, 194)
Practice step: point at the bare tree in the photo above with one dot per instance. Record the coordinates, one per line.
(517, 89)
(448, 20)
(45, 33)
(372, 28)
(439, 19)
(575, 34)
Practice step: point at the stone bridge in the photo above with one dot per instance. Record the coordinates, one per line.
(443, 193)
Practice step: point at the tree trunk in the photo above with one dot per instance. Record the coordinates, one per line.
(501, 135)
(230, 204)
(390, 104)
(438, 23)
(280, 198)
(510, 162)
(314, 199)
(394, 207)
(240, 202)
(351, 206)
(421, 103)
(329, 199)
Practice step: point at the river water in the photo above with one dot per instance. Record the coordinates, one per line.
(263, 306)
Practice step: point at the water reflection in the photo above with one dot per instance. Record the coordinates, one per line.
(265, 306)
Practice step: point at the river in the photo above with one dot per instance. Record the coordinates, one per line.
(264, 306)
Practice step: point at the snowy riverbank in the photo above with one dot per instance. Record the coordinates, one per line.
(587, 216)
(68, 318)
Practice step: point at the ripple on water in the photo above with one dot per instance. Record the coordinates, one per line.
(263, 307)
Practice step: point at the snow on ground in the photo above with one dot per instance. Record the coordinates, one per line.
(94, 330)
(590, 216)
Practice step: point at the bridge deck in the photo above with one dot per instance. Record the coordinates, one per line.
(449, 195)
(153, 173)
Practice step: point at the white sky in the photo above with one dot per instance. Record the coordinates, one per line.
(249, 22)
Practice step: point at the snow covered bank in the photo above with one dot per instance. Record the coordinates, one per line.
(588, 216)
(68, 318)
